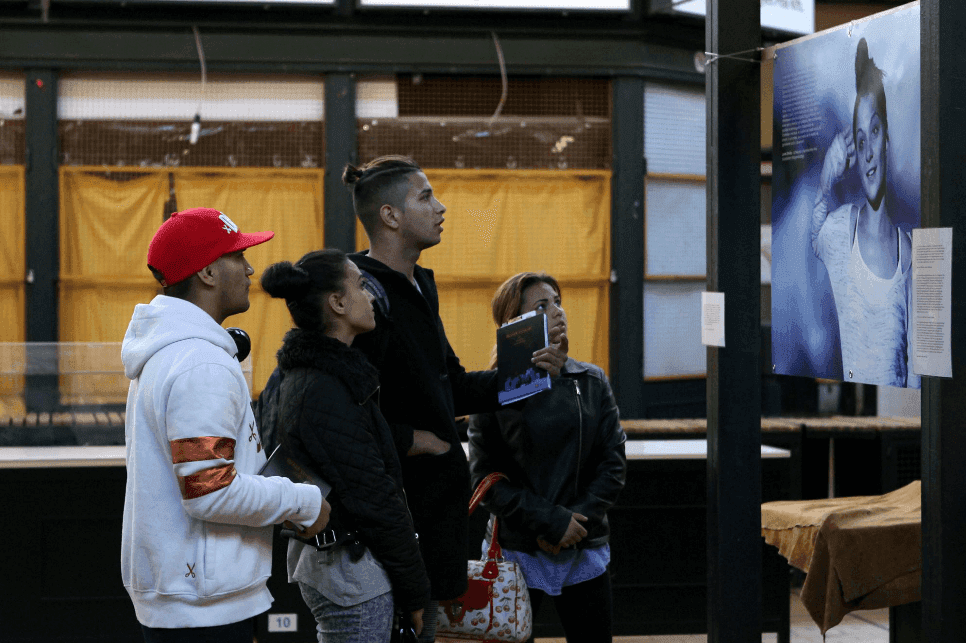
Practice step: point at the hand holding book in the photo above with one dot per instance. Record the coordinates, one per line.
(552, 357)
(316, 527)
(519, 371)
(284, 464)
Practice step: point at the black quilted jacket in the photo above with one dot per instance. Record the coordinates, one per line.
(327, 412)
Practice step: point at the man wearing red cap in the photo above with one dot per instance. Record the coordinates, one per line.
(197, 533)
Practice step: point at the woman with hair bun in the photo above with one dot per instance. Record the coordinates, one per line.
(868, 257)
(328, 414)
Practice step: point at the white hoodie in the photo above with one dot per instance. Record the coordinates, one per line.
(196, 544)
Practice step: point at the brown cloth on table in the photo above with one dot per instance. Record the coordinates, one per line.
(862, 552)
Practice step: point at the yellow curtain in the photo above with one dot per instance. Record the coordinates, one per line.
(12, 274)
(288, 202)
(498, 223)
(501, 222)
(105, 228)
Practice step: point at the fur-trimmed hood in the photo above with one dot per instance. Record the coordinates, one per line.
(314, 349)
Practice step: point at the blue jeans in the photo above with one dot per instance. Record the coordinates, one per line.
(367, 622)
(241, 632)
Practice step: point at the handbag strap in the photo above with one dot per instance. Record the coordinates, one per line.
(495, 552)
(483, 487)
(494, 555)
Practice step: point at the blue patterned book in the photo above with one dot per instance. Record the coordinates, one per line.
(516, 342)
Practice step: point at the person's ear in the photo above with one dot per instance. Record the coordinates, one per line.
(336, 303)
(207, 275)
(389, 216)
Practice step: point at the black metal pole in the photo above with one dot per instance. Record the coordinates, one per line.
(943, 68)
(340, 148)
(734, 379)
(41, 205)
(627, 246)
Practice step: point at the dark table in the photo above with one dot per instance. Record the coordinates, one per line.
(62, 529)
(829, 456)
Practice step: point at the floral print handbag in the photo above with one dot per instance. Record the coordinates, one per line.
(496, 604)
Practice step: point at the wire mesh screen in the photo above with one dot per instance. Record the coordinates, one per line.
(12, 132)
(128, 120)
(12, 145)
(479, 96)
(544, 123)
(166, 144)
(75, 393)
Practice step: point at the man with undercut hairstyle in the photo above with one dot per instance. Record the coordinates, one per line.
(423, 386)
(196, 541)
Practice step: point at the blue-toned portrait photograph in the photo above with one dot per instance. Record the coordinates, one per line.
(845, 198)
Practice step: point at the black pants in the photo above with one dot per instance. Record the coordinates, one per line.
(585, 610)
(241, 632)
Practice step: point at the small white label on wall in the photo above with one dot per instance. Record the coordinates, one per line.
(283, 622)
(712, 319)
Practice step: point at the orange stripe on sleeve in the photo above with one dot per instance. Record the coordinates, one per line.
(206, 481)
(204, 448)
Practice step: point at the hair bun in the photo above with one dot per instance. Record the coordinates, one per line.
(283, 280)
(351, 174)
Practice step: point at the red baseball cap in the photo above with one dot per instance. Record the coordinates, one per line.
(193, 239)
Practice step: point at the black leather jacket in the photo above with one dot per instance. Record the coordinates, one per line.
(563, 451)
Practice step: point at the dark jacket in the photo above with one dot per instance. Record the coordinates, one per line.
(266, 412)
(425, 387)
(327, 413)
(563, 451)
